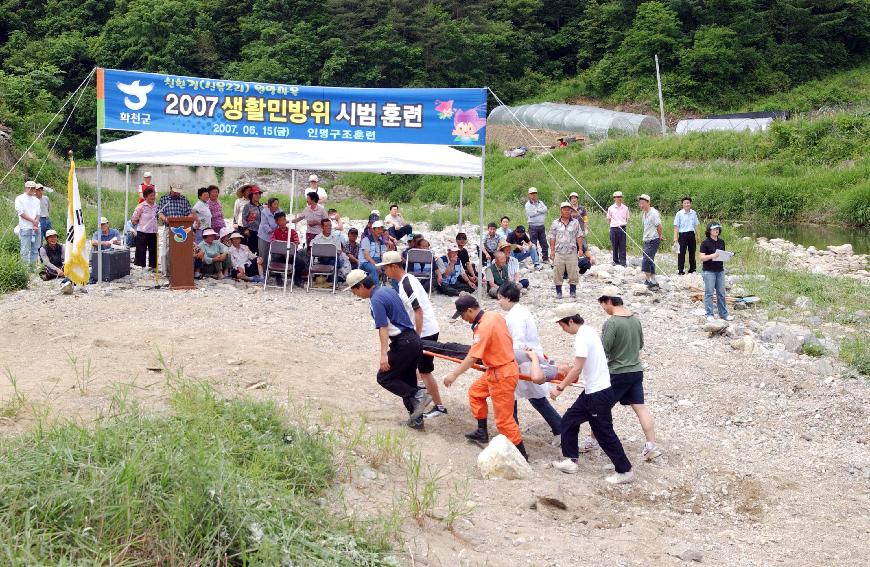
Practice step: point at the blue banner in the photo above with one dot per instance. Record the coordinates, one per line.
(129, 100)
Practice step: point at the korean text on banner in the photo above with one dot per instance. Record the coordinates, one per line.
(167, 103)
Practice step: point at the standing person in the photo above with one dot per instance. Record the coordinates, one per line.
(504, 229)
(313, 214)
(685, 223)
(145, 219)
(252, 216)
(146, 183)
(594, 403)
(522, 246)
(579, 212)
(618, 215)
(399, 345)
(242, 194)
(396, 225)
(27, 209)
(314, 187)
(566, 240)
(172, 205)
(652, 239)
(216, 208)
(536, 213)
(493, 345)
(622, 338)
(713, 272)
(267, 226)
(44, 209)
(202, 212)
(419, 308)
(524, 333)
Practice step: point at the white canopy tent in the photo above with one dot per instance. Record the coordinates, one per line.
(165, 148)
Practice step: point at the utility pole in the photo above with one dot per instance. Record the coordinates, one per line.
(661, 99)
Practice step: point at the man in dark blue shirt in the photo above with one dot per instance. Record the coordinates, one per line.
(400, 344)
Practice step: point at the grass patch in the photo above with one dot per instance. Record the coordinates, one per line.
(213, 482)
(14, 275)
(855, 352)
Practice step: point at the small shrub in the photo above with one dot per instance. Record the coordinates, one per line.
(856, 353)
(13, 274)
(814, 350)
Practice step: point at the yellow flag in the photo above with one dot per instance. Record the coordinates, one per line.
(75, 253)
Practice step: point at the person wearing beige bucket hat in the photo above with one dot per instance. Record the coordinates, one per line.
(106, 236)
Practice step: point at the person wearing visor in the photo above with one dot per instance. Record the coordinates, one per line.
(713, 272)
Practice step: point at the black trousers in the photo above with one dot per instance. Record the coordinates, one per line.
(687, 244)
(401, 379)
(594, 408)
(146, 242)
(617, 243)
(538, 235)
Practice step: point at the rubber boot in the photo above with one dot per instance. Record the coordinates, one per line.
(522, 449)
(558, 292)
(572, 289)
(479, 435)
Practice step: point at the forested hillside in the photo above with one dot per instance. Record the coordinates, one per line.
(715, 54)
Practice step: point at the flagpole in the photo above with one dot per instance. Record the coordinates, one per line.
(126, 201)
(99, 211)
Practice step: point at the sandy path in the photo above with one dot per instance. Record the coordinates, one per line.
(765, 462)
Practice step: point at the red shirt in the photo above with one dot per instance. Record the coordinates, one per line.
(281, 233)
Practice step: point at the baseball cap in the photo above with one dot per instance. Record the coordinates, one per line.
(503, 244)
(375, 212)
(208, 232)
(40, 186)
(146, 174)
(453, 248)
(373, 217)
(520, 228)
(50, 232)
(463, 303)
(391, 257)
(564, 204)
(609, 291)
(564, 311)
(377, 224)
(533, 190)
(644, 197)
(30, 184)
(617, 193)
(234, 235)
(354, 277)
(313, 177)
(255, 189)
(573, 194)
(104, 220)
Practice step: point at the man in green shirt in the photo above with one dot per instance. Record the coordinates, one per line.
(497, 273)
(622, 337)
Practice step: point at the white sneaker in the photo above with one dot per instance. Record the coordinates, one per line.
(729, 318)
(621, 478)
(588, 444)
(710, 318)
(557, 441)
(567, 466)
(437, 411)
(650, 452)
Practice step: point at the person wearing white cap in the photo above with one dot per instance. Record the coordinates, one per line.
(44, 209)
(27, 209)
(244, 264)
(371, 251)
(105, 236)
(146, 183)
(652, 238)
(213, 254)
(400, 348)
(51, 256)
(594, 403)
(566, 239)
(536, 213)
(618, 215)
(314, 187)
(419, 308)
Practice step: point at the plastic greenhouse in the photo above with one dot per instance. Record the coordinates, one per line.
(723, 124)
(589, 121)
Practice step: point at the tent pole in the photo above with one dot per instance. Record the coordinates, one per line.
(461, 191)
(480, 251)
(126, 200)
(292, 190)
(99, 210)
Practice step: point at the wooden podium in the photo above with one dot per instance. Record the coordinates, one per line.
(181, 237)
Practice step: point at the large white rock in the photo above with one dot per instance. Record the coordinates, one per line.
(501, 459)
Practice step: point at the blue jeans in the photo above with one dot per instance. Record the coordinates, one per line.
(400, 233)
(714, 281)
(533, 252)
(650, 247)
(372, 271)
(44, 224)
(30, 241)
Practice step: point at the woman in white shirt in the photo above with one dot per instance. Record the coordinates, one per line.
(242, 194)
(524, 333)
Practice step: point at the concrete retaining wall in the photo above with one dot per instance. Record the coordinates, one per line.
(189, 178)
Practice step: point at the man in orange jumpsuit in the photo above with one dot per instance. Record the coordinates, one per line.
(493, 345)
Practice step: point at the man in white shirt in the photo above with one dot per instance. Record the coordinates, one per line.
(419, 308)
(27, 208)
(328, 236)
(396, 225)
(594, 403)
(314, 187)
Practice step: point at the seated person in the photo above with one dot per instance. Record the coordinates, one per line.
(351, 248)
(51, 256)
(130, 230)
(497, 274)
(523, 247)
(585, 261)
(106, 236)
(455, 275)
(286, 234)
(395, 224)
(464, 257)
(327, 236)
(213, 254)
(490, 243)
(412, 243)
(244, 264)
(504, 229)
(371, 250)
(513, 265)
(389, 241)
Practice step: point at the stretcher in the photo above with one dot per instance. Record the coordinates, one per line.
(556, 380)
